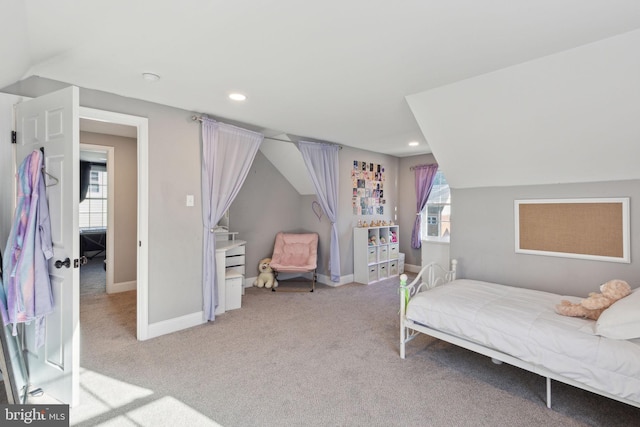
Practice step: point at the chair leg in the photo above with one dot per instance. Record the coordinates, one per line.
(313, 284)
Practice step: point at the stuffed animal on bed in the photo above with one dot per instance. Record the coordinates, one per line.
(267, 277)
(593, 306)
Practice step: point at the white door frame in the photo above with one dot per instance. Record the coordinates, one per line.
(110, 151)
(142, 279)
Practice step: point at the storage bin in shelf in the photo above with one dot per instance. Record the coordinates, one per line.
(393, 268)
(383, 273)
(373, 273)
(372, 254)
(383, 253)
(393, 251)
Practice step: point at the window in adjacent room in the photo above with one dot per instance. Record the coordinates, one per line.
(93, 209)
(436, 215)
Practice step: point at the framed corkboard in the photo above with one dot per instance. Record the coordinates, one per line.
(595, 229)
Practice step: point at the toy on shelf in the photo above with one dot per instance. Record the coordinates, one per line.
(373, 241)
(394, 237)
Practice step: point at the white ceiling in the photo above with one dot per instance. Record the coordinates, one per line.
(336, 71)
(565, 118)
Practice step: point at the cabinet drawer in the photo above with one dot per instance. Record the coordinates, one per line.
(232, 261)
(238, 250)
(233, 293)
(236, 268)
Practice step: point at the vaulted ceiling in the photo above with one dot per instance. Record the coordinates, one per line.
(456, 76)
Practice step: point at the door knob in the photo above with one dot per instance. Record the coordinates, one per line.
(66, 263)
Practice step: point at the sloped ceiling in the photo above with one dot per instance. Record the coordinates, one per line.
(287, 159)
(336, 71)
(14, 43)
(569, 117)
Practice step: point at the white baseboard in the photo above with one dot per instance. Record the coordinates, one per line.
(176, 324)
(412, 268)
(326, 280)
(114, 288)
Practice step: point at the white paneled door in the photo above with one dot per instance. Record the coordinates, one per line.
(51, 122)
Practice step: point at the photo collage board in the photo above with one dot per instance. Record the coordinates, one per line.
(368, 188)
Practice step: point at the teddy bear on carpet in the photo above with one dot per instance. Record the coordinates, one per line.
(593, 306)
(267, 277)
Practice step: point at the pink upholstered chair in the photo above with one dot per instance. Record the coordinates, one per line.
(296, 253)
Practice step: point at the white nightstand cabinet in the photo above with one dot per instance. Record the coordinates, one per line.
(375, 253)
(230, 274)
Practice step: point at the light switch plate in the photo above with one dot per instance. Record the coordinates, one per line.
(190, 200)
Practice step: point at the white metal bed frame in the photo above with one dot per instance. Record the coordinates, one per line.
(435, 275)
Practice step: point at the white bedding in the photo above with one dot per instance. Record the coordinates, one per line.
(523, 323)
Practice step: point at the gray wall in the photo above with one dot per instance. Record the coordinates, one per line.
(125, 172)
(175, 231)
(483, 239)
(267, 203)
(346, 219)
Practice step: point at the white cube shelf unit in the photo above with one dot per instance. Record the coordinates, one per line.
(375, 253)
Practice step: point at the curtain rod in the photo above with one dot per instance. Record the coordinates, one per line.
(199, 119)
(420, 166)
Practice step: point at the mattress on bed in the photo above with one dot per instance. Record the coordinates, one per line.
(523, 323)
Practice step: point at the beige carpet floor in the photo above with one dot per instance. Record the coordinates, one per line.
(327, 358)
(93, 277)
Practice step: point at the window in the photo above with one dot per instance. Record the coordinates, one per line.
(93, 209)
(436, 216)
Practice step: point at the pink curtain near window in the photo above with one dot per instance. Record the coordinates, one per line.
(424, 182)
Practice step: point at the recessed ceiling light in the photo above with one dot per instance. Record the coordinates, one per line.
(414, 144)
(151, 77)
(237, 96)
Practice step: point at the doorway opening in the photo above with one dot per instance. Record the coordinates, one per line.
(96, 215)
(110, 123)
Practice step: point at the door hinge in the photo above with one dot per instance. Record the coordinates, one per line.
(14, 137)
